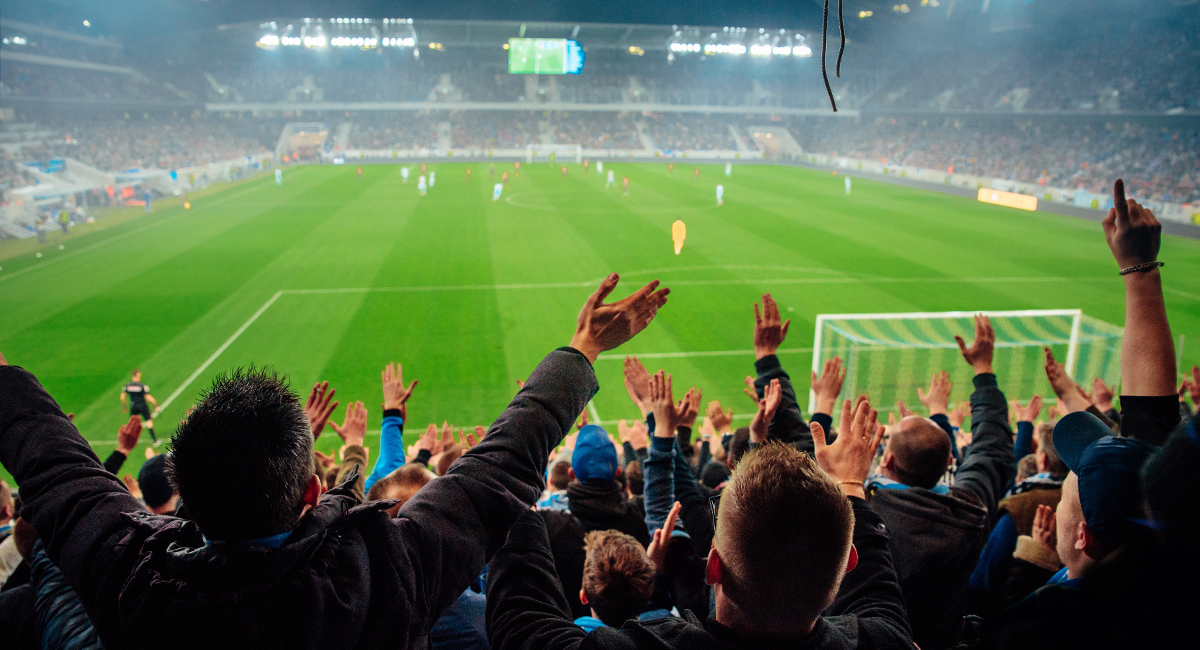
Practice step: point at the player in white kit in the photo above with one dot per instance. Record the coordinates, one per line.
(847, 186)
(729, 169)
(421, 184)
(404, 175)
(611, 181)
(432, 178)
(496, 190)
(279, 177)
(600, 168)
(720, 195)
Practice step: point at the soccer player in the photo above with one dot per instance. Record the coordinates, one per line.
(468, 174)
(847, 186)
(138, 394)
(729, 169)
(585, 164)
(360, 173)
(670, 167)
(599, 166)
(421, 184)
(422, 168)
(564, 171)
(279, 177)
(610, 182)
(625, 185)
(678, 234)
(696, 174)
(504, 178)
(496, 190)
(720, 194)
(491, 171)
(404, 175)
(432, 178)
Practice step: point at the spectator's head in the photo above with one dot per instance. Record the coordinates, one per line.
(7, 507)
(594, 457)
(243, 460)
(739, 444)
(158, 493)
(633, 478)
(782, 543)
(617, 577)
(401, 484)
(137, 375)
(714, 474)
(560, 474)
(451, 454)
(1047, 457)
(1027, 467)
(918, 453)
(1102, 495)
(1176, 464)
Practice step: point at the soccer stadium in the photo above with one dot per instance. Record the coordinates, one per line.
(422, 326)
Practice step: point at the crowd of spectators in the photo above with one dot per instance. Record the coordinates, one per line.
(1159, 164)
(12, 172)
(141, 144)
(943, 529)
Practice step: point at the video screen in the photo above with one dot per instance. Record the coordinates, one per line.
(544, 56)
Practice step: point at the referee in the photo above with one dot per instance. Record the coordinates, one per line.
(138, 394)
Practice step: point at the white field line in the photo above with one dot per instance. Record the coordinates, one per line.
(588, 284)
(9, 276)
(593, 412)
(224, 346)
(698, 353)
(1181, 293)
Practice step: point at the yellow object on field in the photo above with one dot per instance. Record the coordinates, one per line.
(1008, 199)
(678, 234)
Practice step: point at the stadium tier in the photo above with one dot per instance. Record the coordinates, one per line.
(876, 325)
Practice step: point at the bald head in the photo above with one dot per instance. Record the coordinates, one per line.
(918, 452)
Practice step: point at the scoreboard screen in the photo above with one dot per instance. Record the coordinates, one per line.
(544, 56)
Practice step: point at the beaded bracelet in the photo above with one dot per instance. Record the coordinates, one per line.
(1142, 267)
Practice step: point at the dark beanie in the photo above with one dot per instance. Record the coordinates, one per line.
(714, 474)
(152, 480)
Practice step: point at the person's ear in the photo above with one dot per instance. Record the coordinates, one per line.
(582, 597)
(1089, 543)
(1041, 461)
(712, 571)
(571, 473)
(313, 491)
(888, 461)
(852, 560)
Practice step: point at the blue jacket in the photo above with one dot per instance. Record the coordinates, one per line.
(391, 448)
(62, 624)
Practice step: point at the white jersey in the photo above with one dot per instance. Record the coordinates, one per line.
(847, 185)
(600, 167)
(279, 177)
(496, 190)
(404, 173)
(421, 184)
(729, 169)
(432, 178)
(720, 192)
(610, 177)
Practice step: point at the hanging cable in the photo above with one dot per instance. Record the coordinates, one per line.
(842, 32)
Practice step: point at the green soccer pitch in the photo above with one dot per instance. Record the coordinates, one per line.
(329, 277)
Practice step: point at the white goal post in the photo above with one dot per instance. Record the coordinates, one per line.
(888, 356)
(560, 152)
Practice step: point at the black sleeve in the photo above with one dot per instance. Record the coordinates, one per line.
(1024, 578)
(703, 457)
(943, 421)
(526, 607)
(423, 457)
(987, 467)
(788, 424)
(114, 462)
(448, 530)
(75, 505)
(628, 455)
(1149, 419)
(871, 590)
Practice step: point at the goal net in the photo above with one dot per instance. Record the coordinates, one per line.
(887, 356)
(553, 152)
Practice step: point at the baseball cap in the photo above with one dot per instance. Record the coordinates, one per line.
(1108, 467)
(594, 458)
(153, 482)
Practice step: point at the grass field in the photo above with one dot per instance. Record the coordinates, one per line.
(330, 277)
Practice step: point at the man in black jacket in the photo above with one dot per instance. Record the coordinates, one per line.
(339, 576)
(938, 532)
(781, 557)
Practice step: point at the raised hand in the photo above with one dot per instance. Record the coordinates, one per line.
(128, 434)
(720, 420)
(937, 400)
(657, 551)
(134, 489)
(979, 355)
(324, 462)
(603, 326)
(1194, 387)
(354, 429)
(959, 414)
(637, 383)
(1045, 526)
(828, 385)
(688, 408)
(1070, 396)
(769, 328)
(428, 440)
(582, 421)
(772, 395)
(848, 460)
(901, 408)
(662, 404)
(1102, 394)
(395, 395)
(319, 407)
(750, 390)
(1029, 412)
(1132, 231)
